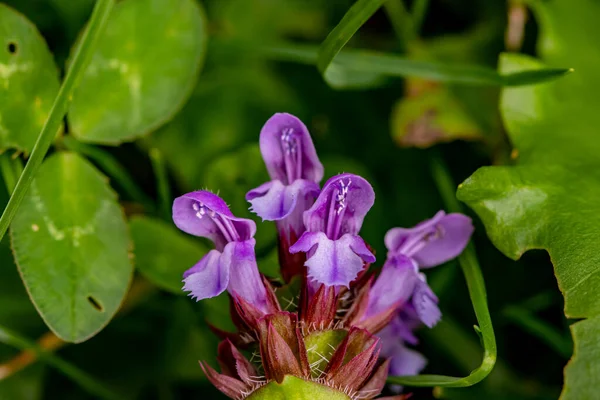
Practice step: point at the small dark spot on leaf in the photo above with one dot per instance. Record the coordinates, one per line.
(12, 48)
(95, 303)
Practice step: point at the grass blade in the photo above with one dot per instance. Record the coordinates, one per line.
(383, 65)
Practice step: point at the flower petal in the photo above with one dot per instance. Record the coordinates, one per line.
(272, 147)
(208, 278)
(425, 304)
(184, 216)
(356, 197)
(359, 246)
(275, 201)
(405, 361)
(394, 286)
(244, 278)
(442, 238)
(332, 262)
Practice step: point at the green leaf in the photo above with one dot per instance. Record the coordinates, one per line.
(28, 81)
(17, 310)
(71, 244)
(376, 66)
(143, 71)
(548, 199)
(163, 253)
(81, 59)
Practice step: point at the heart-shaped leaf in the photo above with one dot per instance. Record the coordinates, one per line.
(71, 244)
(550, 198)
(28, 81)
(143, 71)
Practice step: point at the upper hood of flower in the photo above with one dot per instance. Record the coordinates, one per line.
(288, 150)
(202, 213)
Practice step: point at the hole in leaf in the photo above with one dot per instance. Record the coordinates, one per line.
(12, 48)
(95, 303)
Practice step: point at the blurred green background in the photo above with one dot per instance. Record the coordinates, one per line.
(387, 132)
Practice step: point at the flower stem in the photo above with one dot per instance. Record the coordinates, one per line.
(356, 16)
(83, 55)
(476, 286)
(49, 342)
(162, 184)
(419, 10)
(401, 21)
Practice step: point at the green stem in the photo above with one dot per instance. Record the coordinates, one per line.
(540, 329)
(81, 59)
(84, 380)
(112, 168)
(418, 14)
(477, 293)
(162, 183)
(401, 21)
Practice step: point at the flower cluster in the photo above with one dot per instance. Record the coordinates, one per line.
(349, 329)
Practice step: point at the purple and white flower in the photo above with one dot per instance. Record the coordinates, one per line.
(335, 252)
(428, 244)
(295, 171)
(231, 265)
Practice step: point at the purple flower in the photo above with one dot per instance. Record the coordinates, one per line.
(403, 360)
(394, 286)
(432, 242)
(400, 283)
(335, 252)
(232, 264)
(295, 170)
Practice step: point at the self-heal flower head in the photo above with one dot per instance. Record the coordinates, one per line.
(295, 171)
(335, 252)
(341, 364)
(232, 264)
